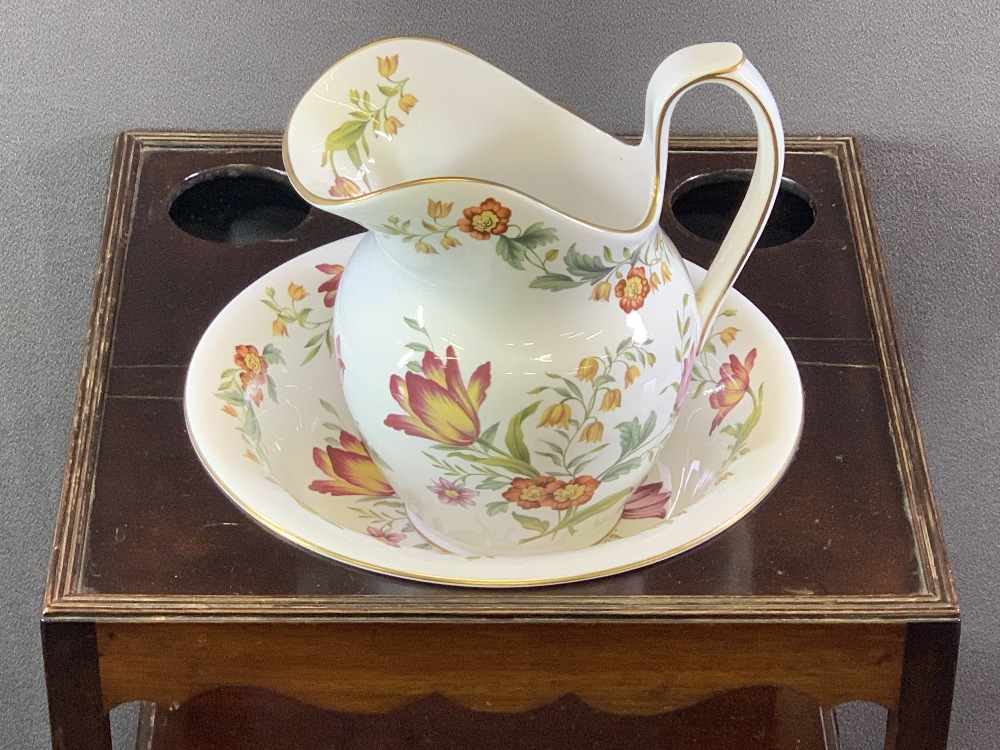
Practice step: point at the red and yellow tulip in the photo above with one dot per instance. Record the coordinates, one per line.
(733, 384)
(350, 468)
(438, 404)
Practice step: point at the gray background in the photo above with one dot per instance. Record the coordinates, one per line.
(915, 80)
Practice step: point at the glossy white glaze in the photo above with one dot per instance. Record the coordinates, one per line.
(516, 331)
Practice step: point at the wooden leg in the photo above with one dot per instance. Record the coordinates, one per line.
(930, 657)
(72, 676)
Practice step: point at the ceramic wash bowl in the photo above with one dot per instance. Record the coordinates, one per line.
(267, 416)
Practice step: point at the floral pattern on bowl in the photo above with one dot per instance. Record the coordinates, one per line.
(268, 420)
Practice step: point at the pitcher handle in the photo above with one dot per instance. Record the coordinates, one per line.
(722, 63)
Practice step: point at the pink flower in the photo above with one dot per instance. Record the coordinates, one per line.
(647, 502)
(450, 493)
(340, 358)
(682, 387)
(391, 538)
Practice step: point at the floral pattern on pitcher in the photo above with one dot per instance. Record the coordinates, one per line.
(629, 276)
(440, 406)
(366, 112)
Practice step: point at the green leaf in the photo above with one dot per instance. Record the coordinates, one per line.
(359, 115)
(536, 235)
(271, 305)
(574, 388)
(514, 438)
(272, 355)
(530, 523)
(303, 315)
(620, 469)
(312, 353)
(413, 367)
(726, 313)
(345, 135)
(708, 348)
(428, 226)
(588, 267)
(489, 433)
(512, 253)
(607, 255)
(516, 467)
(234, 397)
(493, 508)
(315, 339)
(328, 407)
(354, 154)
(492, 483)
(648, 427)
(551, 255)
(388, 90)
(414, 324)
(555, 282)
(272, 389)
(418, 347)
(733, 430)
(629, 432)
(228, 373)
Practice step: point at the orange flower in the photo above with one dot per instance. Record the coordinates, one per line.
(532, 493)
(448, 242)
(278, 327)
(733, 383)
(611, 400)
(602, 291)
(631, 374)
(425, 247)
(438, 405)
(350, 468)
(556, 415)
(487, 219)
(229, 410)
(438, 209)
(576, 491)
(654, 281)
(344, 188)
(332, 284)
(588, 369)
(632, 290)
(296, 291)
(253, 377)
(728, 335)
(387, 65)
(406, 102)
(391, 125)
(592, 433)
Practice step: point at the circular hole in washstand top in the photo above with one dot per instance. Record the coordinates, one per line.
(238, 204)
(707, 204)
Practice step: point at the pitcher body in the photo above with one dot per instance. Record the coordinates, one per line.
(515, 333)
(516, 383)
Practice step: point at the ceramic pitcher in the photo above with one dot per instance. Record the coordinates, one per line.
(515, 332)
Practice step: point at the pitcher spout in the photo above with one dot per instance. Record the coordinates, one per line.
(396, 122)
